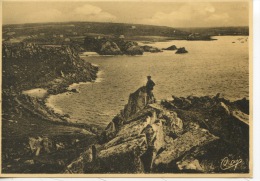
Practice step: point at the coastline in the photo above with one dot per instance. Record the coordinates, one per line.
(62, 91)
(50, 98)
(25, 103)
(26, 116)
(45, 122)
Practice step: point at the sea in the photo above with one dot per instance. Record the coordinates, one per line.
(209, 67)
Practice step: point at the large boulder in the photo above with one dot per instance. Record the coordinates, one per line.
(109, 48)
(177, 148)
(123, 158)
(132, 111)
(137, 101)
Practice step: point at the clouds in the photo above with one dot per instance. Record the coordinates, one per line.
(88, 10)
(92, 13)
(173, 14)
(191, 15)
(85, 12)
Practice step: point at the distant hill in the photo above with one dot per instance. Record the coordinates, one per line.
(78, 30)
(219, 31)
(82, 28)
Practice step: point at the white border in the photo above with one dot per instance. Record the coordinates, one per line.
(256, 116)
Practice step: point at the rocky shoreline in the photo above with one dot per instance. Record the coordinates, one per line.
(74, 70)
(185, 135)
(26, 117)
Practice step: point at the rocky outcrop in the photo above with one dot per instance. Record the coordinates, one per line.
(59, 65)
(173, 47)
(183, 135)
(109, 48)
(181, 145)
(151, 49)
(137, 102)
(181, 50)
(134, 50)
(126, 44)
(220, 116)
(133, 109)
(115, 46)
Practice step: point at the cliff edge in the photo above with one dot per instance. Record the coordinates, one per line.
(185, 135)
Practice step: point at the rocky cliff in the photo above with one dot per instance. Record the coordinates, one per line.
(185, 135)
(26, 121)
(54, 66)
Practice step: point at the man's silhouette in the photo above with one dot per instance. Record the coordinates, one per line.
(149, 88)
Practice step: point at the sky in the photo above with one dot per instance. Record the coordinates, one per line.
(173, 14)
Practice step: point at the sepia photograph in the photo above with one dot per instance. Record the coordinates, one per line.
(126, 88)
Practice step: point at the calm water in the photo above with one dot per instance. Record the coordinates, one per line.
(209, 68)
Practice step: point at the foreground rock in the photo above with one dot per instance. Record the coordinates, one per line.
(186, 135)
(177, 148)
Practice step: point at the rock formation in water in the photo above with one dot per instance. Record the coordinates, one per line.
(151, 49)
(181, 50)
(109, 48)
(189, 135)
(115, 46)
(134, 50)
(173, 47)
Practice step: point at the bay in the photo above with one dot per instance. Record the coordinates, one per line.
(209, 67)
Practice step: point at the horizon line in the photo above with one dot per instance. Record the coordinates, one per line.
(64, 22)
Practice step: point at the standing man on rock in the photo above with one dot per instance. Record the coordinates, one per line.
(149, 88)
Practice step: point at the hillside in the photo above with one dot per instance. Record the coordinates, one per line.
(82, 28)
(76, 31)
(43, 70)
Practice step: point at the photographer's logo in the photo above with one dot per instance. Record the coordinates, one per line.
(227, 163)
